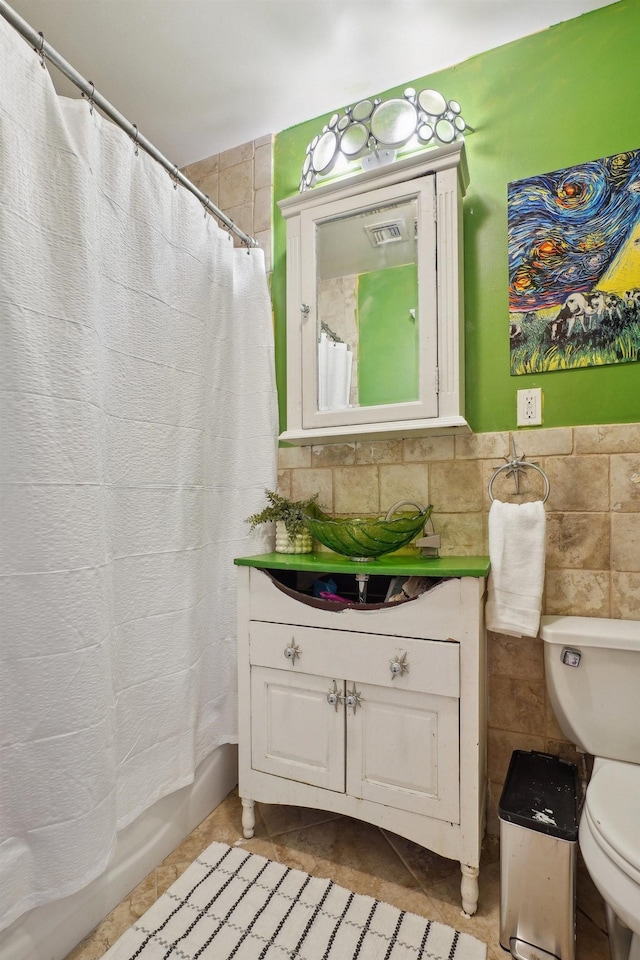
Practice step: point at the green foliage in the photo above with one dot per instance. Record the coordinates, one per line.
(592, 349)
(291, 512)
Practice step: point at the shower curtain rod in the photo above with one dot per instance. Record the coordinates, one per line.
(47, 52)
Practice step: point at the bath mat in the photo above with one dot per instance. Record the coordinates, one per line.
(234, 905)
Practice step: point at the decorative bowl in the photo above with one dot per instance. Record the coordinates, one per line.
(368, 538)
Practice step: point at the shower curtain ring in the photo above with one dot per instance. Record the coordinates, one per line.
(205, 204)
(135, 139)
(174, 176)
(40, 50)
(90, 96)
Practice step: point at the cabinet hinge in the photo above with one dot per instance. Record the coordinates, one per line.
(437, 380)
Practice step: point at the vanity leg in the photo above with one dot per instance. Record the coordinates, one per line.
(469, 889)
(248, 817)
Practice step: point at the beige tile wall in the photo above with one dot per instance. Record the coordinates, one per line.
(240, 183)
(593, 510)
(593, 538)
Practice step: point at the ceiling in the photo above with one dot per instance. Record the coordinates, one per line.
(202, 76)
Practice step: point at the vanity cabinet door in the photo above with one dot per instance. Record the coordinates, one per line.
(296, 732)
(403, 750)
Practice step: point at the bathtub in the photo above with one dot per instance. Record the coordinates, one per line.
(50, 932)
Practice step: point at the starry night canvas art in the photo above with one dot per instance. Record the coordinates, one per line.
(574, 266)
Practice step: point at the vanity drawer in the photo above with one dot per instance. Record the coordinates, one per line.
(432, 666)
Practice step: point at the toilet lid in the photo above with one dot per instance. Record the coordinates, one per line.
(613, 807)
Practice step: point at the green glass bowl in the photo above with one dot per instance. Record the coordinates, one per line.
(368, 538)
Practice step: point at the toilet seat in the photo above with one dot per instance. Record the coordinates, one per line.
(612, 808)
(612, 855)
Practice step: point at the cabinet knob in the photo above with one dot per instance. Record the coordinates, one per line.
(353, 699)
(334, 697)
(399, 665)
(292, 652)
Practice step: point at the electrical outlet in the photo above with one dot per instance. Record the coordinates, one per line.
(529, 407)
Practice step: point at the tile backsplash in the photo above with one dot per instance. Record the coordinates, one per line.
(593, 538)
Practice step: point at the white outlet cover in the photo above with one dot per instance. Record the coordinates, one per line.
(529, 406)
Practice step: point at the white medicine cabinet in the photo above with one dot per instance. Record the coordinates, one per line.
(375, 326)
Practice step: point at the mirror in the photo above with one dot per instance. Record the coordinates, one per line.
(367, 307)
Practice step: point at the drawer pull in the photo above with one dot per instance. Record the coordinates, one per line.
(399, 666)
(353, 699)
(292, 652)
(334, 697)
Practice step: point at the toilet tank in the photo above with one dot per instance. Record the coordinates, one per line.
(592, 669)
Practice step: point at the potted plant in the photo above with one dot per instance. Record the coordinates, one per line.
(292, 536)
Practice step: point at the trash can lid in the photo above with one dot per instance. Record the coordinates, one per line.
(540, 793)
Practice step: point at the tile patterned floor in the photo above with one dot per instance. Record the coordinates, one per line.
(359, 857)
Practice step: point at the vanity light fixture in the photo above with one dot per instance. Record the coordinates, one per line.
(374, 131)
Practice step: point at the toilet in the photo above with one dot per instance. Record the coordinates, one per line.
(593, 676)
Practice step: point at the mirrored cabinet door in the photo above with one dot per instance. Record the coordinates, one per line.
(374, 323)
(369, 320)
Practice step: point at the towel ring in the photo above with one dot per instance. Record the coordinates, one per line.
(515, 466)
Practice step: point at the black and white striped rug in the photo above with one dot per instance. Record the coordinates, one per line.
(234, 905)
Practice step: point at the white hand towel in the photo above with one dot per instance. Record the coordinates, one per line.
(517, 541)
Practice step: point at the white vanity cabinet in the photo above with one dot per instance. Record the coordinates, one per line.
(376, 711)
(375, 338)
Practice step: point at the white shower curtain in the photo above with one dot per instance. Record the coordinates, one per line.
(139, 429)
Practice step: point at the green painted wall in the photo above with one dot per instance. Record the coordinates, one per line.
(560, 97)
(387, 329)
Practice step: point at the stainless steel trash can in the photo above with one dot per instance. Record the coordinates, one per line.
(538, 847)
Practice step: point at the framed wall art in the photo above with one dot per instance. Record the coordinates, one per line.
(574, 266)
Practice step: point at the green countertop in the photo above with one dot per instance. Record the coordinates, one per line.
(393, 565)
